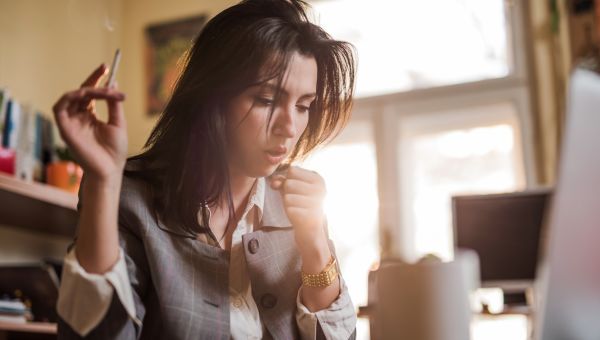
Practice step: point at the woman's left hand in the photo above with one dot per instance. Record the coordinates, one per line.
(303, 192)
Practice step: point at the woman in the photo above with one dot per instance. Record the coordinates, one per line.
(209, 233)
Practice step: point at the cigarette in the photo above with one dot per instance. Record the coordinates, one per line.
(113, 69)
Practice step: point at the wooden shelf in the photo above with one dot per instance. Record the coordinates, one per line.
(37, 206)
(29, 327)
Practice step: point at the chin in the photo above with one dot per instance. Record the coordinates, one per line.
(263, 171)
(269, 171)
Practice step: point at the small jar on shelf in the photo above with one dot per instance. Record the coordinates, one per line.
(64, 173)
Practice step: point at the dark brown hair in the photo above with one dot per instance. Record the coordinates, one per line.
(185, 156)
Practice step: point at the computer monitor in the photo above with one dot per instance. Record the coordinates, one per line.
(504, 230)
(570, 272)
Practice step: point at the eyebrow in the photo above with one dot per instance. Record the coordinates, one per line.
(274, 89)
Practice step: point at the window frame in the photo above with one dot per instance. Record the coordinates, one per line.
(386, 111)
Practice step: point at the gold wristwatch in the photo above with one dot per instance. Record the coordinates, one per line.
(325, 278)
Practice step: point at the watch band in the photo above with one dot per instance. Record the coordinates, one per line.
(325, 278)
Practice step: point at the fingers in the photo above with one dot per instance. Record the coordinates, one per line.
(295, 172)
(86, 94)
(301, 201)
(115, 108)
(297, 211)
(279, 176)
(116, 116)
(302, 187)
(277, 181)
(71, 100)
(92, 81)
(94, 78)
(298, 181)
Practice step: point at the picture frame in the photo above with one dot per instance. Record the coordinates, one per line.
(167, 44)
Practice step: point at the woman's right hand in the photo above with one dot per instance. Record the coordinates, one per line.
(99, 147)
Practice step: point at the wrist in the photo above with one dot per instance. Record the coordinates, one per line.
(316, 256)
(102, 186)
(104, 181)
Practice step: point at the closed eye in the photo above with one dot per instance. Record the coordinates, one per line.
(264, 101)
(303, 108)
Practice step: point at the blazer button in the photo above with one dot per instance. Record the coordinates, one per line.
(253, 246)
(268, 301)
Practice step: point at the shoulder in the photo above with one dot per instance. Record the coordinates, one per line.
(134, 187)
(135, 201)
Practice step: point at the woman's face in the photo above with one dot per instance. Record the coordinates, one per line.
(254, 149)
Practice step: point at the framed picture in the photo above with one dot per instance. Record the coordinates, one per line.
(167, 44)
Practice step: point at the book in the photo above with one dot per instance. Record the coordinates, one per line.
(48, 139)
(13, 318)
(3, 104)
(25, 147)
(11, 127)
(12, 307)
(14, 311)
(27, 139)
(38, 149)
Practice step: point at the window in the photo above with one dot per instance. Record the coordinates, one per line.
(464, 151)
(442, 84)
(441, 58)
(406, 44)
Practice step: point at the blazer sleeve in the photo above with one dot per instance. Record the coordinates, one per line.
(88, 307)
(338, 321)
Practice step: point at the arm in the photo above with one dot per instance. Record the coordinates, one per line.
(107, 305)
(337, 320)
(303, 192)
(313, 262)
(98, 239)
(101, 149)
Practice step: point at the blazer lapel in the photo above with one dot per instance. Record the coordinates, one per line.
(274, 211)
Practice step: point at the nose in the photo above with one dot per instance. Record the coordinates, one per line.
(284, 123)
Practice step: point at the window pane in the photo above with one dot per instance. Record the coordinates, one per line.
(406, 44)
(351, 205)
(478, 152)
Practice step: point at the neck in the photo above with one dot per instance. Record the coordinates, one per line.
(240, 186)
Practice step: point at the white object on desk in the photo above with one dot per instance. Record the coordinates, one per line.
(425, 301)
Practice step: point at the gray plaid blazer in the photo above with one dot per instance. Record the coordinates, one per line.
(180, 285)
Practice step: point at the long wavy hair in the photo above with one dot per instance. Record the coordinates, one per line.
(185, 158)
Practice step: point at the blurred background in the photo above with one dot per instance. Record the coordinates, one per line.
(454, 97)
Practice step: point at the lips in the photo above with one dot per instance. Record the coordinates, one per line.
(276, 155)
(277, 151)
